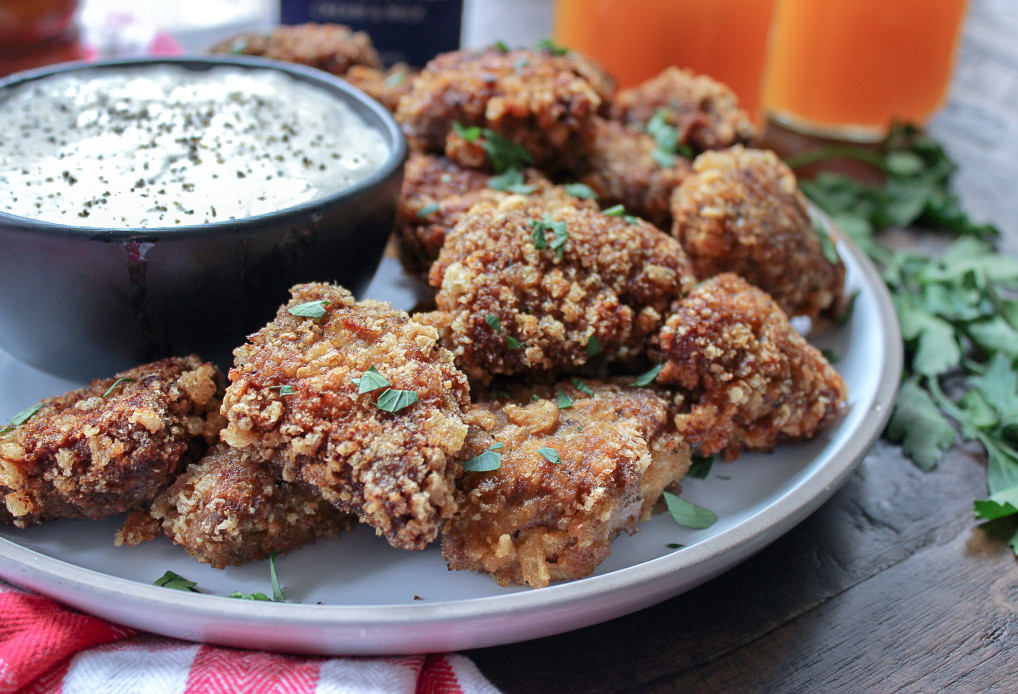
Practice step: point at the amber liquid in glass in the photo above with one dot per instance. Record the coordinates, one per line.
(634, 40)
(852, 67)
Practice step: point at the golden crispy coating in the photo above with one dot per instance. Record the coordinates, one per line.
(436, 193)
(385, 86)
(111, 446)
(331, 47)
(705, 112)
(292, 399)
(229, 509)
(621, 169)
(506, 305)
(532, 98)
(751, 381)
(533, 521)
(742, 212)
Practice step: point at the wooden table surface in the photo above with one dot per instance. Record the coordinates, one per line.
(891, 585)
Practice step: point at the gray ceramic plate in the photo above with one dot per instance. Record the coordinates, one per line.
(356, 595)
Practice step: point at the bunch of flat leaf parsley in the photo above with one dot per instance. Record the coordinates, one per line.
(957, 311)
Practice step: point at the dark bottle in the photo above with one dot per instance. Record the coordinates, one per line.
(410, 31)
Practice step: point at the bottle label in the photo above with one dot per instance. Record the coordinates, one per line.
(411, 31)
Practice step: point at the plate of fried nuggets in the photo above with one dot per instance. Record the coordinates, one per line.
(540, 299)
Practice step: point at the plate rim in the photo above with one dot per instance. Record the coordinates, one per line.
(481, 621)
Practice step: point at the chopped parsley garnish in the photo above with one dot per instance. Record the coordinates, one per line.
(827, 247)
(395, 79)
(277, 592)
(490, 460)
(674, 545)
(122, 379)
(593, 347)
(580, 190)
(176, 582)
(502, 153)
(501, 47)
(620, 211)
(563, 400)
(512, 343)
(470, 134)
(285, 389)
(539, 234)
(521, 63)
(371, 380)
(393, 400)
(496, 446)
(830, 355)
(535, 397)
(666, 138)
(550, 454)
(646, 378)
(492, 320)
(20, 418)
(550, 47)
(499, 394)
(428, 210)
(700, 467)
(252, 596)
(583, 387)
(687, 514)
(310, 309)
(511, 181)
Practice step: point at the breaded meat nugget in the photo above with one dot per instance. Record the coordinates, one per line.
(331, 47)
(623, 167)
(436, 193)
(111, 446)
(230, 509)
(533, 99)
(704, 112)
(358, 400)
(385, 86)
(571, 479)
(535, 284)
(750, 380)
(741, 211)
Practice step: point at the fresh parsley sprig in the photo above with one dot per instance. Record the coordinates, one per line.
(958, 312)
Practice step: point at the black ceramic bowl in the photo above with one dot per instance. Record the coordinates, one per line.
(84, 303)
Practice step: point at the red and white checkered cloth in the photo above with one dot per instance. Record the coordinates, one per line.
(46, 647)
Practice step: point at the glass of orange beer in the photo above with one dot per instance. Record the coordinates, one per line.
(636, 39)
(850, 68)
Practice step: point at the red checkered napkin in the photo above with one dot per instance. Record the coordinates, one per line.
(45, 647)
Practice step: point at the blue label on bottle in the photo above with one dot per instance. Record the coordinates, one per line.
(411, 31)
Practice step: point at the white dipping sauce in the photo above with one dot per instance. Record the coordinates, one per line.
(164, 146)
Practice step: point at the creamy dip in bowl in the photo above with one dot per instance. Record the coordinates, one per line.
(164, 206)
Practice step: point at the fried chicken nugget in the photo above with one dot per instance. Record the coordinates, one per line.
(436, 193)
(111, 446)
(704, 112)
(750, 380)
(385, 86)
(621, 167)
(331, 47)
(741, 211)
(229, 509)
(571, 479)
(536, 100)
(534, 284)
(293, 400)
